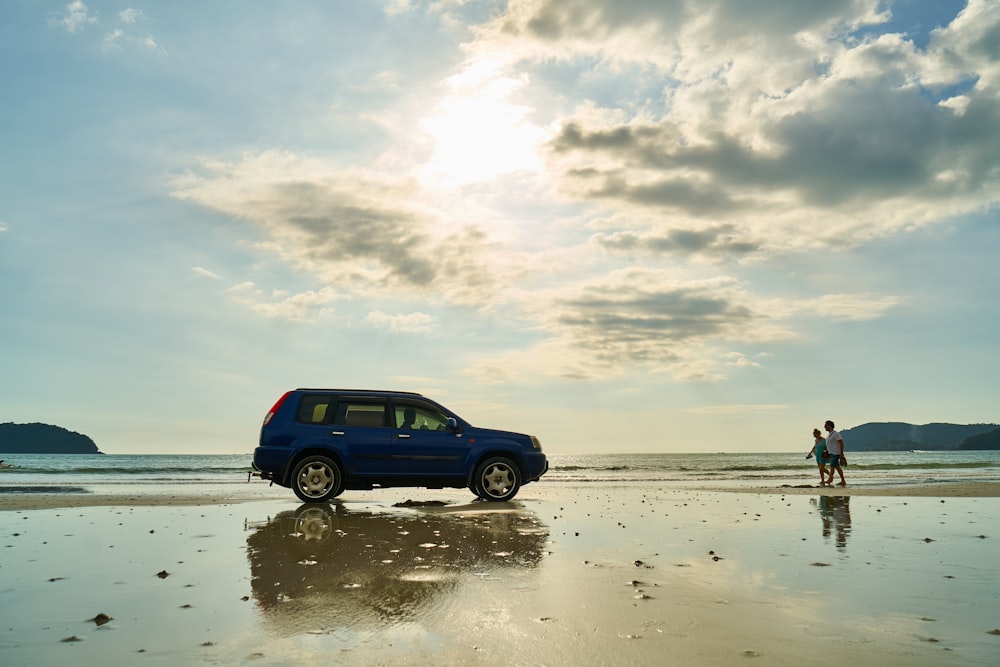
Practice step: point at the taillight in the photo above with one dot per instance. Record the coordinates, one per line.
(275, 407)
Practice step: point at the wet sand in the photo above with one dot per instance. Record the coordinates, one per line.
(567, 574)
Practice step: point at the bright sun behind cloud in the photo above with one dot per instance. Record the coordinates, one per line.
(478, 133)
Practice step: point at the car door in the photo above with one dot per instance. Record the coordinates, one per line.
(361, 433)
(423, 445)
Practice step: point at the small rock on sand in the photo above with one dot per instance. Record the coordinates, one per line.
(100, 619)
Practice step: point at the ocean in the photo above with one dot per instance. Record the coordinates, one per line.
(111, 472)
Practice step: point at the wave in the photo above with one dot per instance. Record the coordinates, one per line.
(775, 468)
(131, 470)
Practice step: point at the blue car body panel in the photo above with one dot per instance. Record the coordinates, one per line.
(365, 434)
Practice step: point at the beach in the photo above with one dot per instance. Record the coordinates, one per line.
(617, 573)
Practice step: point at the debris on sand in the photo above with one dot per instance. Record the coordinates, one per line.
(100, 619)
(421, 503)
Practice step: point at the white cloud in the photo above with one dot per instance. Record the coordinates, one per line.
(774, 127)
(112, 40)
(205, 273)
(354, 228)
(741, 360)
(845, 307)
(394, 7)
(130, 15)
(403, 323)
(303, 307)
(75, 17)
(771, 130)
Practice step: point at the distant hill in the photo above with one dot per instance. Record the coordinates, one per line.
(989, 440)
(43, 439)
(898, 436)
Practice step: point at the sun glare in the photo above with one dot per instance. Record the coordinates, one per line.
(478, 133)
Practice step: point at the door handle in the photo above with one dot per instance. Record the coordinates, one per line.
(336, 433)
(403, 436)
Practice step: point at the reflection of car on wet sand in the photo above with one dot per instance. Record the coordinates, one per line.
(326, 566)
(320, 442)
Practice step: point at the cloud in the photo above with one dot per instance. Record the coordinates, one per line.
(113, 39)
(760, 131)
(363, 232)
(650, 319)
(130, 15)
(844, 307)
(786, 125)
(205, 273)
(75, 17)
(741, 360)
(394, 7)
(712, 241)
(403, 323)
(117, 38)
(302, 307)
(642, 316)
(656, 320)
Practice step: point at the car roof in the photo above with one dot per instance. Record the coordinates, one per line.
(363, 392)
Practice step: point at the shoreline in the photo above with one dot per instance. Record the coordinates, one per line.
(38, 499)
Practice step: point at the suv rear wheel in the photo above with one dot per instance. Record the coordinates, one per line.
(317, 479)
(497, 479)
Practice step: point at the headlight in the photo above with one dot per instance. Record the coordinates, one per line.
(536, 443)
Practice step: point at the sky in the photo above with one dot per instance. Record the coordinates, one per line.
(619, 225)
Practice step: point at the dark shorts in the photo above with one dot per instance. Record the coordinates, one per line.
(834, 460)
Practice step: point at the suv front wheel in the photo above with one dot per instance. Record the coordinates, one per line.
(317, 479)
(497, 479)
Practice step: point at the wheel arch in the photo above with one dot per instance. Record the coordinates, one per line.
(480, 456)
(312, 450)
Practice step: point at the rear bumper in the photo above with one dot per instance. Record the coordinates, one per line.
(270, 462)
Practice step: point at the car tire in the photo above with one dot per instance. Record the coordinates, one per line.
(497, 479)
(316, 479)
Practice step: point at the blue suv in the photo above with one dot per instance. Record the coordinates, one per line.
(321, 442)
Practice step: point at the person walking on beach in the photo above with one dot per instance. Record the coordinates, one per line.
(819, 451)
(835, 448)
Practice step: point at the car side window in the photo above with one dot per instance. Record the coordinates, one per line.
(419, 417)
(315, 409)
(361, 413)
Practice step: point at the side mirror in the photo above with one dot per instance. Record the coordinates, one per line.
(453, 424)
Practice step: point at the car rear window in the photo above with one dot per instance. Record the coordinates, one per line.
(315, 408)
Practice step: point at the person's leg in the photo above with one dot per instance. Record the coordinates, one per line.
(832, 465)
(840, 471)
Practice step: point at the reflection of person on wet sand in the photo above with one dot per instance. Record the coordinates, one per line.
(835, 513)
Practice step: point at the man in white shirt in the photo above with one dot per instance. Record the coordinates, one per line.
(835, 449)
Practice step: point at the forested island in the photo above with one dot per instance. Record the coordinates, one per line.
(899, 436)
(43, 439)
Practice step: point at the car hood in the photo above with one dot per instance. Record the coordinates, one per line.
(497, 433)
